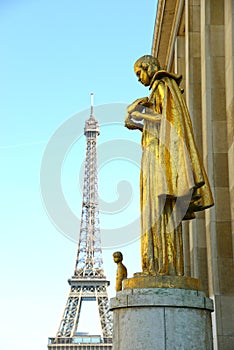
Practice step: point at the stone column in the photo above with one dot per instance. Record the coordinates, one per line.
(215, 152)
(180, 68)
(229, 84)
(193, 95)
(161, 318)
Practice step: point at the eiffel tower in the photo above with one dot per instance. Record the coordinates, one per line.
(89, 282)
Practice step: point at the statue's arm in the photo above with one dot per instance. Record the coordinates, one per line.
(134, 112)
(154, 117)
(139, 103)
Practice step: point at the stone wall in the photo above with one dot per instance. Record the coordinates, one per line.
(195, 38)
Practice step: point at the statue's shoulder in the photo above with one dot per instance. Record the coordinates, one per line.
(161, 75)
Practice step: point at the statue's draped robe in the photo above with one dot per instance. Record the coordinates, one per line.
(174, 184)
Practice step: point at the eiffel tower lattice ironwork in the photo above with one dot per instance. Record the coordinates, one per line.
(89, 282)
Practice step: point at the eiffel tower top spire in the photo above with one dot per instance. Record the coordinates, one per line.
(91, 104)
(91, 125)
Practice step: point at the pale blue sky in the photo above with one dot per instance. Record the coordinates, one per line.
(53, 54)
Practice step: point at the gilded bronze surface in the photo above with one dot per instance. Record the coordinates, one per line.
(180, 282)
(173, 182)
(121, 272)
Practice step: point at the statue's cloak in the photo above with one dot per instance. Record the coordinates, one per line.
(180, 171)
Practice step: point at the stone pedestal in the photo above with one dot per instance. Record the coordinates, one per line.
(162, 319)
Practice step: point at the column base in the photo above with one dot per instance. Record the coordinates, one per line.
(162, 319)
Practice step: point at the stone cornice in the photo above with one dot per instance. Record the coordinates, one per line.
(167, 26)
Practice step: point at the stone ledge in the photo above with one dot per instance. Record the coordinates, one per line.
(161, 297)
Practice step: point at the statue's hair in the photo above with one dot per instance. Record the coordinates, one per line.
(148, 62)
(118, 254)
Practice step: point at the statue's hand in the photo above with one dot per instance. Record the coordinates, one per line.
(139, 101)
(130, 124)
(128, 119)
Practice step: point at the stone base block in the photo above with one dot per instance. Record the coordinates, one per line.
(162, 319)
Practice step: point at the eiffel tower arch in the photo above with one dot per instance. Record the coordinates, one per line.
(88, 282)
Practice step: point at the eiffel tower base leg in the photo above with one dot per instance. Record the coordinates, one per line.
(162, 319)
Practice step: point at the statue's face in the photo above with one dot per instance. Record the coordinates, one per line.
(142, 75)
(117, 258)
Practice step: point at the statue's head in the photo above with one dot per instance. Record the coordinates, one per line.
(145, 68)
(118, 256)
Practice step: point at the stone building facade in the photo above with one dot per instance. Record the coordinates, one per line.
(195, 38)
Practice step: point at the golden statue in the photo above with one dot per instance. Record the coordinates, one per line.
(173, 182)
(121, 272)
